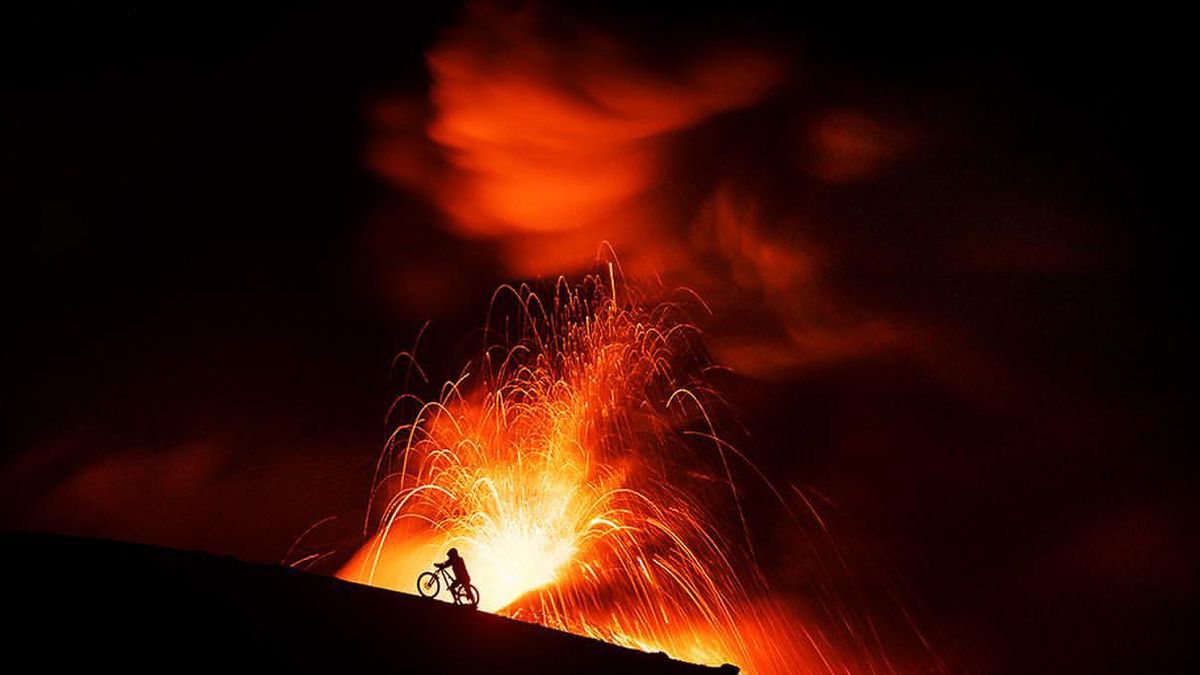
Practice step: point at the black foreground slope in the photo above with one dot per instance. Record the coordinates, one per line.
(102, 604)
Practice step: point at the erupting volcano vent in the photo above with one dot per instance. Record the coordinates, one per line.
(584, 464)
(577, 469)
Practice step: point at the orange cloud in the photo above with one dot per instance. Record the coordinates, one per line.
(543, 147)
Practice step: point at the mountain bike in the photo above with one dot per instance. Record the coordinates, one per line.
(429, 584)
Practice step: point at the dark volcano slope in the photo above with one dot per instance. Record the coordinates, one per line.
(100, 604)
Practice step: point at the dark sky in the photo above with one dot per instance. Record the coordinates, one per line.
(201, 330)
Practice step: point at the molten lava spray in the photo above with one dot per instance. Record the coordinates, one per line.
(577, 470)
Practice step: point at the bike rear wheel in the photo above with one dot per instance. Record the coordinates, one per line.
(428, 584)
(468, 596)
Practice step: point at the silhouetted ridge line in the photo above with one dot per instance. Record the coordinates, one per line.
(90, 603)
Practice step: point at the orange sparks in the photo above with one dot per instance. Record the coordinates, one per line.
(577, 470)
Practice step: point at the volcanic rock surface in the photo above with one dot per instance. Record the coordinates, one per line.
(101, 604)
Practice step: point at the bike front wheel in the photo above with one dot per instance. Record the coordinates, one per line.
(428, 584)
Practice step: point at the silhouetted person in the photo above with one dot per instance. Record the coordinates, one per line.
(462, 578)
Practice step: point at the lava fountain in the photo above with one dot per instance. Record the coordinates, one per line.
(577, 469)
(544, 460)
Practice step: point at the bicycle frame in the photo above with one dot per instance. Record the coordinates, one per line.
(465, 594)
(448, 580)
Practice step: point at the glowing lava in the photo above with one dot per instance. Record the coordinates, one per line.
(576, 469)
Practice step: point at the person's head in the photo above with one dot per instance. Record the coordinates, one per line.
(452, 553)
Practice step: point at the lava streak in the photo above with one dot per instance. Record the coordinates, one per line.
(577, 470)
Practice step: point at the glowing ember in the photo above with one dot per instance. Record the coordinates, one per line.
(578, 472)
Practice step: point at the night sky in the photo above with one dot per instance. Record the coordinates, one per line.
(208, 277)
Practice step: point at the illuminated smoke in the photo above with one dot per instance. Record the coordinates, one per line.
(541, 145)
